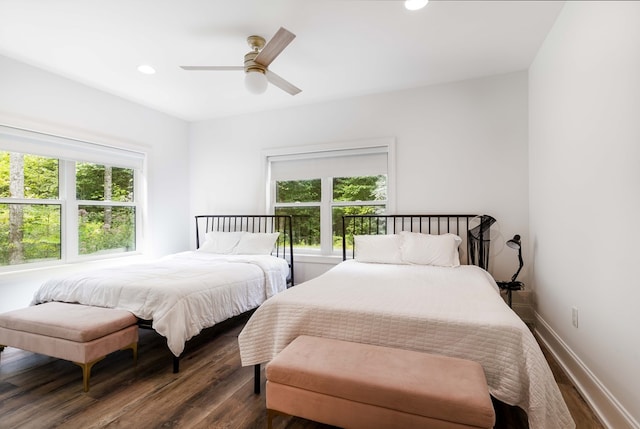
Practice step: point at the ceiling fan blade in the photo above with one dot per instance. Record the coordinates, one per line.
(272, 49)
(212, 67)
(281, 83)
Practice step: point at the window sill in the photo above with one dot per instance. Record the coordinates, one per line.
(71, 265)
(317, 259)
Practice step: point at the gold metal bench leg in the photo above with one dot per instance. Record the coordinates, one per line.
(86, 372)
(86, 367)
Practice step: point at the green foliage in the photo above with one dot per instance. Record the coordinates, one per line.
(338, 212)
(367, 188)
(305, 224)
(40, 177)
(96, 235)
(293, 191)
(40, 232)
(90, 183)
(4, 174)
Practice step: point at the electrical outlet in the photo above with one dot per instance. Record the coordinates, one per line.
(574, 316)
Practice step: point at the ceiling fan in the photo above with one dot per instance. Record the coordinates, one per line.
(257, 61)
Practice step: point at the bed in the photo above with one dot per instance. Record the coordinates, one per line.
(239, 262)
(400, 286)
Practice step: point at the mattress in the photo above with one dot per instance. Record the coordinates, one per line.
(181, 294)
(448, 311)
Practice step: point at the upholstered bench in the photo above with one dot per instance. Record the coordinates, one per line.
(78, 333)
(355, 385)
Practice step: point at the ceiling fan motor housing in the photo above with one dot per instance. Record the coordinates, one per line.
(250, 65)
(256, 43)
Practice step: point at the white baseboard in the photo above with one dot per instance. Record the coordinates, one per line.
(608, 409)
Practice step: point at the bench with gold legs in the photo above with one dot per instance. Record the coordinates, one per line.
(78, 333)
(354, 385)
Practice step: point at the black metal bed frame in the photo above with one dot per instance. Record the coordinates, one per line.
(471, 228)
(283, 248)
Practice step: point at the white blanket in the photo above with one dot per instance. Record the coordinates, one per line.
(182, 293)
(448, 311)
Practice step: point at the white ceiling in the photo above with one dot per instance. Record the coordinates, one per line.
(343, 47)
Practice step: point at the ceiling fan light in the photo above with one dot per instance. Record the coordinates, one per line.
(415, 4)
(255, 82)
(146, 69)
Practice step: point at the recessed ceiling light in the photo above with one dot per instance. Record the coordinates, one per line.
(415, 4)
(146, 69)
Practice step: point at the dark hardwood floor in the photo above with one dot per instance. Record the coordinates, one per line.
(212, 390)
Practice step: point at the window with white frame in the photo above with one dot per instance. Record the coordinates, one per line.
(64, 200)
(319, 184)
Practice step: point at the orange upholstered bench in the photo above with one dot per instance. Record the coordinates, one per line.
(355, 385)
(78, 333)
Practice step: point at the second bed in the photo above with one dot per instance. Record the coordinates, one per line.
(405, 290)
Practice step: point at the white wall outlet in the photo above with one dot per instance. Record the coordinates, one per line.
(574, 316)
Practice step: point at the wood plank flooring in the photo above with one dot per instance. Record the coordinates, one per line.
(212, 390)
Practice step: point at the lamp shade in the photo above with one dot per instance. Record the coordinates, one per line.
(255, 82)
(514, 243)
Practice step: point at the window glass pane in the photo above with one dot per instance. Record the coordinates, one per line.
(363, 188)
(29, 233)
(293, 191)
(103, 183)
(106, 229)
(306, 225)
(337, 214)
(28, 176)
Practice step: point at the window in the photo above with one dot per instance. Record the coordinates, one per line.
(61, 203)
(320, 184)
(106, 208)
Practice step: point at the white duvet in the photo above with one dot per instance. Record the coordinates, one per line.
(449, 311)
(181, 293)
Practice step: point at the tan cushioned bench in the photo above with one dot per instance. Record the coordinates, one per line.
(355, 385)
(78, 333)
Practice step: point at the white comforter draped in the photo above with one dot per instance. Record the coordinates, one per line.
(182, 293)
(449, 311)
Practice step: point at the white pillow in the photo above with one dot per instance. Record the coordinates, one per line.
(220, 242)
(426, 249)
(383, 249)
(259, 243)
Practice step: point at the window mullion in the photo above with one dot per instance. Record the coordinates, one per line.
(109, 203)
(139, 200)
(301, 204)
(358, 203)
(69, 233)
(326, 233)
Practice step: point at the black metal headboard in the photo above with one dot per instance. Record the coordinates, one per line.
(283, 247)
(473, 229)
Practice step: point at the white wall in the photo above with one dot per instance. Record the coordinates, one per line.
(36, 99)
(585, 200)
(460, 147)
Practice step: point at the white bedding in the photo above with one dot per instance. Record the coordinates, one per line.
(449, 311)
(181, 293)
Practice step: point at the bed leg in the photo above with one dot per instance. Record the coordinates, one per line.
(176, 364)
(256, 379)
